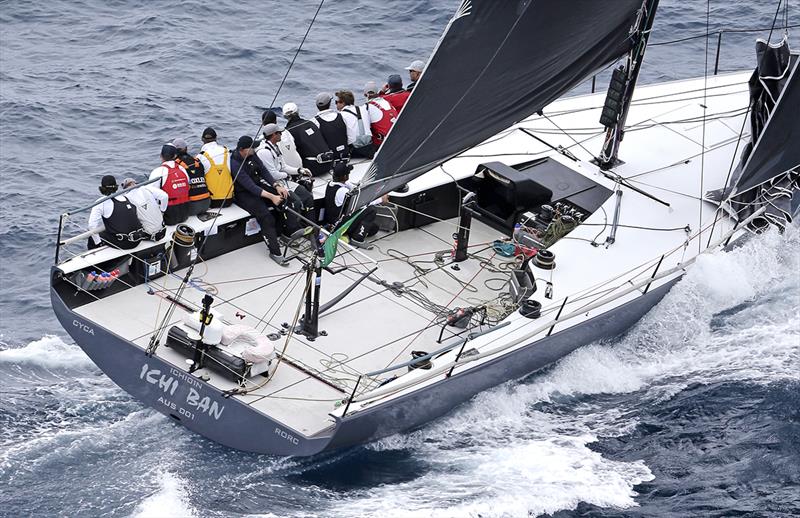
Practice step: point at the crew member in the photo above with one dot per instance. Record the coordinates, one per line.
(175, 182)
(364, 225)
(199, 199)
(286, 144)
(394, 92)
(150, 206)
(356, 118)
(308, 140)
(117, 217)
(332, 126)
(381, 114)
(215, 159)
(297, 180)
(259, 194)
(414, 72)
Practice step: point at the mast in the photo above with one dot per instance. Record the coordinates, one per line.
(621, 86)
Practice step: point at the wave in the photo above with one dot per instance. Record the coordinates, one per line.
(171, 499)
(50, 352)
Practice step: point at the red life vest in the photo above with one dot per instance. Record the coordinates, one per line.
(381, 128)
(397, 99)
(176, 185)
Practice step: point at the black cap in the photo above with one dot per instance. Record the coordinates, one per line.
(209, 133)
(268, 117)
(169, 151)
(108, 181)
(245, 142)
(341, 169)
(395, 81)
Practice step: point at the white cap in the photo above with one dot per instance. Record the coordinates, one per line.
(417, 66)
(289, 108)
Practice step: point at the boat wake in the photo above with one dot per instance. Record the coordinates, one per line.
(171, 499)
(49, 352)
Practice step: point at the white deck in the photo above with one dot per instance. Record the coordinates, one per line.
(353, 345)
(373, 328)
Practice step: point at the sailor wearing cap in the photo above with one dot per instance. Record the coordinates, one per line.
(308, 140)
(199, 199)
(175, 182)
(116, 217)
(259, 193)
(286, 144)
(271, 156)
(414, 72)
(216, 162)
(394, 92)
(381, 114)
(332, 126)
(364, 225)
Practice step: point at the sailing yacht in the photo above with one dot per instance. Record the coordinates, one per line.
(521, 225)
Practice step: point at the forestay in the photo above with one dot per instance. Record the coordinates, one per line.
(497, 63)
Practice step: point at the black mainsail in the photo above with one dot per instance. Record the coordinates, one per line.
(497, 63)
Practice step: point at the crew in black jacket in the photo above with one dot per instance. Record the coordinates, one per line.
(308, 140)
(257, 192)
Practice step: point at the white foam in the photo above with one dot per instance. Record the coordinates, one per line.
(50, 352)
(504, 473)
(171, 499)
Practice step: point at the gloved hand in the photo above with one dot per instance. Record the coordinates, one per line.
(304, 171)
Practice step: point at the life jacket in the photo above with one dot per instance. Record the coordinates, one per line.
(147, 210)
(123, 229)
(381, 128)
(219, 180)
(397, 99)
(289, 150)
(332, 212)
(176, 185)
(363, 138)
(335, 134)
(198, 190)
(309, 142)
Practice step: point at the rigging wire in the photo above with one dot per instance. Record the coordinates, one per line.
(775, 20)
(156, 338)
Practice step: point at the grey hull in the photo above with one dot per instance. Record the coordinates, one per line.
(180, 396)
(203, 409)
(422, 406)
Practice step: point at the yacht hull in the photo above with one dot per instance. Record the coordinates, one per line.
(181, 396)
(228, 421)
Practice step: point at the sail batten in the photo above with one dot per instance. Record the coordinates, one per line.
(497, 63)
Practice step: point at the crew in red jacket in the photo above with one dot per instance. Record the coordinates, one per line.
(175, 182)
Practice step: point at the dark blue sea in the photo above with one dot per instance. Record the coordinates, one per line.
(695, 412)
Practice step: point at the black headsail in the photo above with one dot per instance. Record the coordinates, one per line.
(769, 171)
(497, 63)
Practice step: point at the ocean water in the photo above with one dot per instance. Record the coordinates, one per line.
(694, 412)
